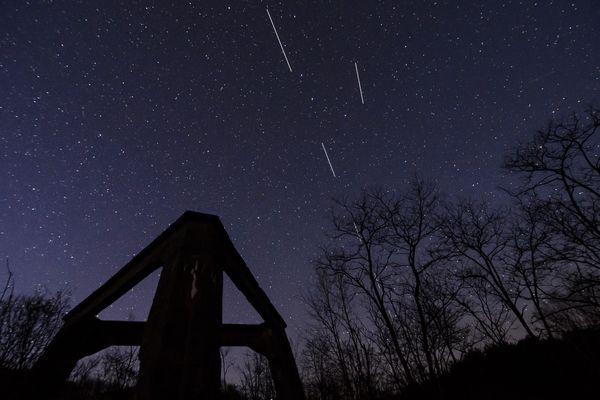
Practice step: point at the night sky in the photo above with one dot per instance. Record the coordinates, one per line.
(116, 117)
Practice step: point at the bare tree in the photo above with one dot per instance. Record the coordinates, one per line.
(364, 261)
(226, 364)
(477, 238)
(318, 368)
(450, 334)
(560, 170)
(86, 377)
(324, 304)
(530, 258)
(256, 380)
(120, 366)
(85, 370)
(413, 226)
(562, 164)
(7, 304)
(27, 324)
(385, 251)
(338, 330)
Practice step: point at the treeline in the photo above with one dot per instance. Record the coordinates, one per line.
(27, 324)
(411, 281)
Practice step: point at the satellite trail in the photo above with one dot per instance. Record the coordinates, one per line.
(362, 99)
(357, 233)
(279, 40)
(328, 160)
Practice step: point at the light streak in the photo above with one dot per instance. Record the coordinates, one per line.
(328, 160)
(357, 233)
(279, 40)
(362, 99)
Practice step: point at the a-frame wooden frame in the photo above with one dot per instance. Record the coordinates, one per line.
(179, 343)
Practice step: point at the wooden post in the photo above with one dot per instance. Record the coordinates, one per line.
(179, 356)
(285, 375)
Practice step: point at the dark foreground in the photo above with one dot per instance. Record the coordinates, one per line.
(566, 368)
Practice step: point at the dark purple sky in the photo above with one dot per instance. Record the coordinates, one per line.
(115, 117)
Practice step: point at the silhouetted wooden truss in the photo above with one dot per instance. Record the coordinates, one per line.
(180, 341)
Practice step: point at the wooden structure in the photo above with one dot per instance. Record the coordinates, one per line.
(179, 343)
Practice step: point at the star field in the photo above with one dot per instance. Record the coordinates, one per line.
(115, 117)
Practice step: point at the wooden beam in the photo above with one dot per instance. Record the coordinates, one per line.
(252, 336)
(157, 253)
(74, 342)
(143, 264)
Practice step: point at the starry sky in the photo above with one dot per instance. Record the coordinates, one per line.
(117, 116)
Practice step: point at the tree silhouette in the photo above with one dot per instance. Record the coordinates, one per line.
(560, 171)
(256, 381)
(476, 236)
(27, 324)
(338, 354)
(384, 273)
